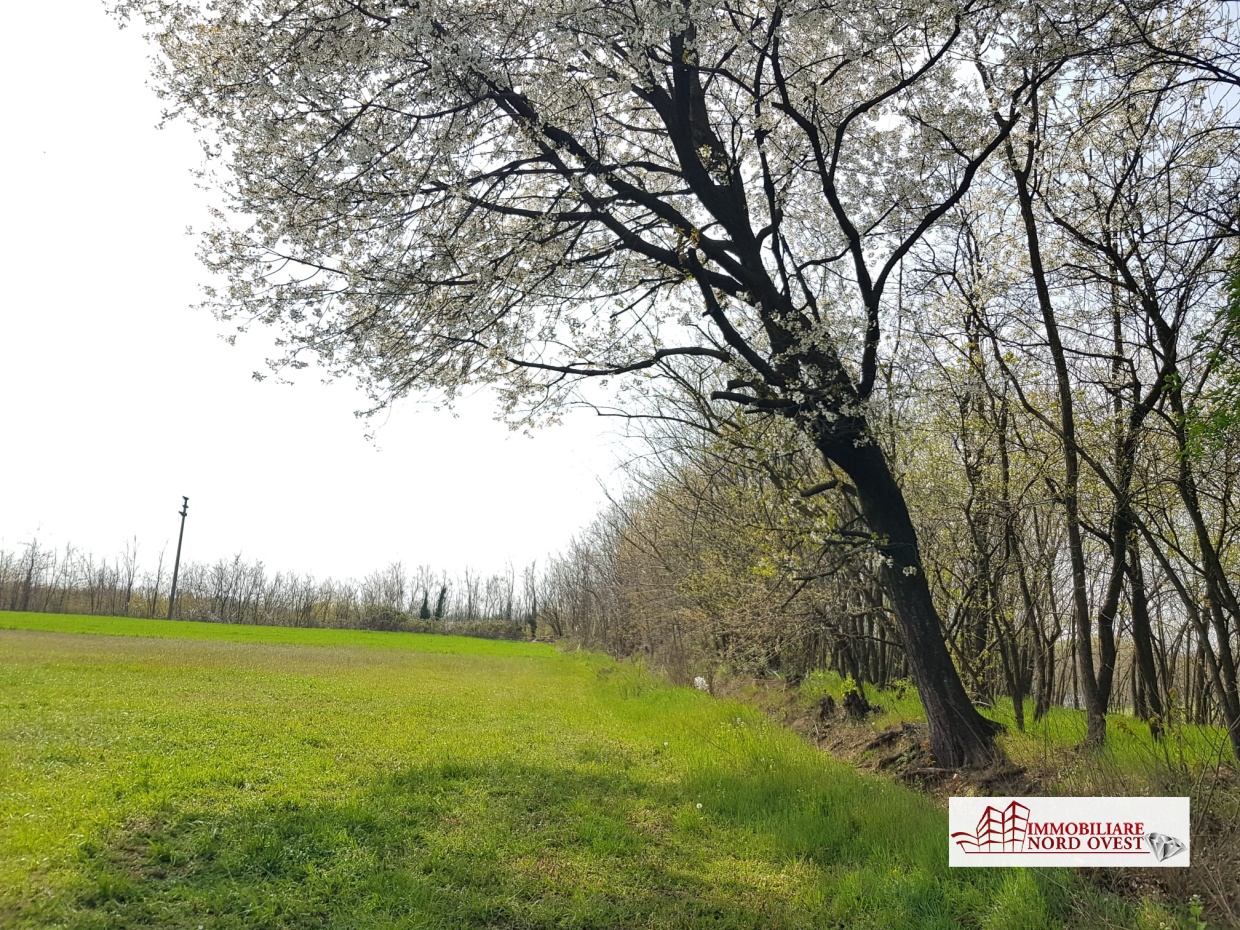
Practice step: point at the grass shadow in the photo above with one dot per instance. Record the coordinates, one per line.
(477, 844)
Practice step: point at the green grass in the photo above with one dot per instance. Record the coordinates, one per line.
(245, 633)
(269, 778)
(1129, 745)
(1130, 762)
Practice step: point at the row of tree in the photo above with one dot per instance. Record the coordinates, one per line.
(36, 578)
(1060, 413)
(709, 563)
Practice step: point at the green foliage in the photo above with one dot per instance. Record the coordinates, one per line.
(1195, 909)
(387, 620)
(1214, 421)
(277, 778)
(897, 703)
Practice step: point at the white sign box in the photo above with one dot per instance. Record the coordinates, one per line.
(1144, 832)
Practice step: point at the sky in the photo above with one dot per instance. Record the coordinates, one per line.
(119, 396)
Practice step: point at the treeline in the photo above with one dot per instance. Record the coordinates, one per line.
(712, 564)
(1061, 410)
(37, 578)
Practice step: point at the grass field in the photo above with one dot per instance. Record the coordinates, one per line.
(201, 775)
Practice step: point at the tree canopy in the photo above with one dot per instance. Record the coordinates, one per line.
(437, 194)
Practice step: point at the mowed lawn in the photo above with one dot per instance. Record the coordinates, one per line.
(202, 775)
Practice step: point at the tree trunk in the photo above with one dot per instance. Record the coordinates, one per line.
(959, 735)
(1009, 653)
(1150, 708)
(1094, 696)
(1219, 593)
(1046, 680)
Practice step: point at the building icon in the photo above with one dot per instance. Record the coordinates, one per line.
(997, 831)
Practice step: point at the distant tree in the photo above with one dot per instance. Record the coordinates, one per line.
(32, 568)
(129, 571)
(529, 580)
(153, 583)
(424, 612)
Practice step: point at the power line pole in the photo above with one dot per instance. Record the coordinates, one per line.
(176, 566)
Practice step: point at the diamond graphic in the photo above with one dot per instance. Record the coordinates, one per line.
(1163, 846)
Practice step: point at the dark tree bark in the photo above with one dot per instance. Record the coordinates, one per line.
(1151, 706)
(959, 735)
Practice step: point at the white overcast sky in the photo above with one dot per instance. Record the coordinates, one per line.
(118, 397)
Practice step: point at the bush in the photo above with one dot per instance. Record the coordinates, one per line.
(387, 620)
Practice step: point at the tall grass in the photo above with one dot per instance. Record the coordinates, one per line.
(1190, 760)
(316, 778)
(1185, 747)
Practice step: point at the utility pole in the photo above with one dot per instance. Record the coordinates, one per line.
(176, 566)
